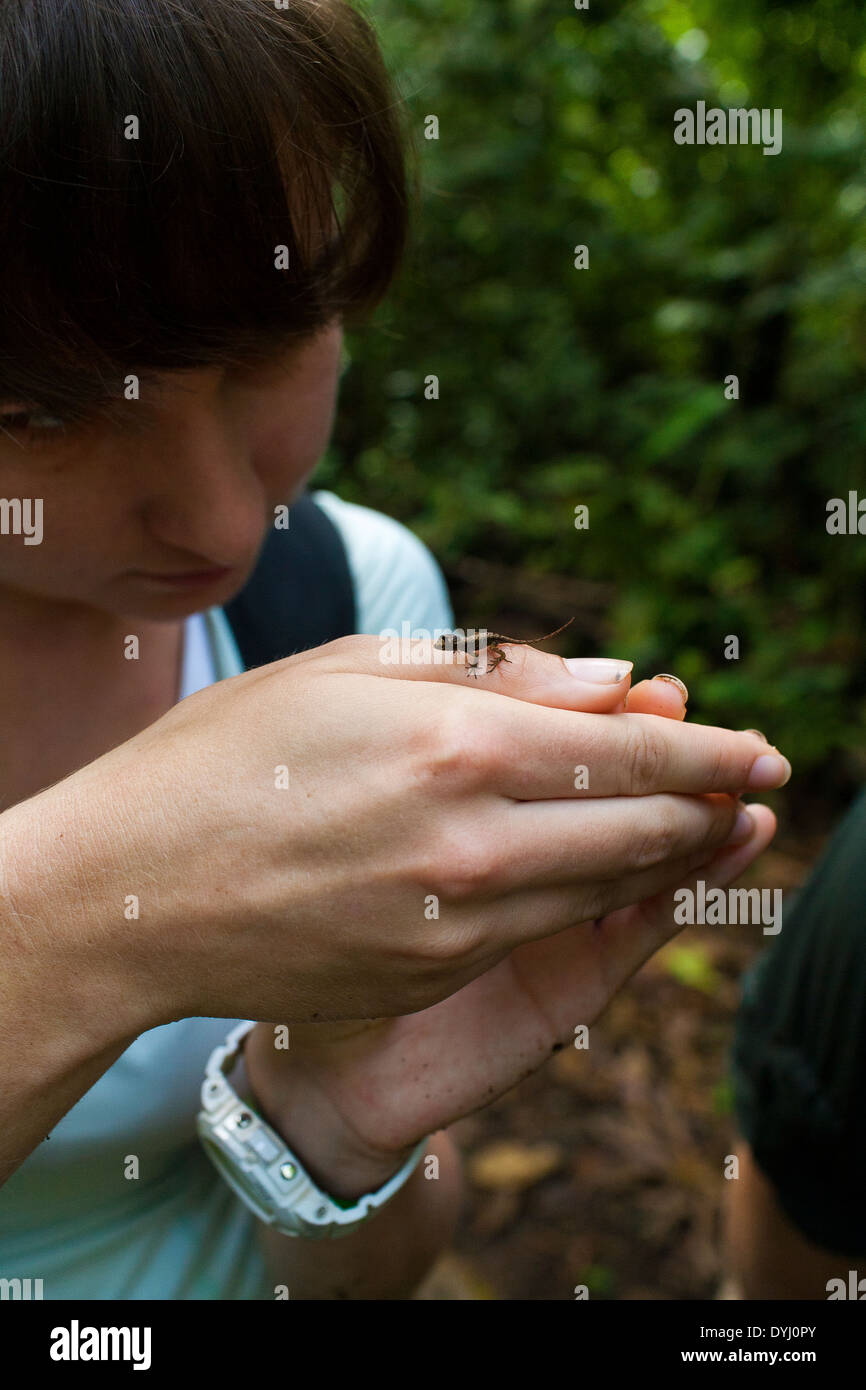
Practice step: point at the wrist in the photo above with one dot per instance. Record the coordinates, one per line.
(63, 918)
(285, 1094)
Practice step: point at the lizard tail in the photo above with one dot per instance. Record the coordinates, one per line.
(556, 632)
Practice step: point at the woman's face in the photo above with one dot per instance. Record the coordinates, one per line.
(189, 488)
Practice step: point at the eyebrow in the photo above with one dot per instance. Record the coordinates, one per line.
(278, 353)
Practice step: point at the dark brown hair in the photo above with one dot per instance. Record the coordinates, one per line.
(258, 127)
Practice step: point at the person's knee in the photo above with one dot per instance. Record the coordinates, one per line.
(767, 1255)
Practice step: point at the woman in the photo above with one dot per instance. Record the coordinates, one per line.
(196, 198)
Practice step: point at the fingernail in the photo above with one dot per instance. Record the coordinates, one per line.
(769, 770)
(743, 828)
(674, 680)
(758, 732)
(598, 670)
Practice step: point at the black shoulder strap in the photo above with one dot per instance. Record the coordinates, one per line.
(300, 594)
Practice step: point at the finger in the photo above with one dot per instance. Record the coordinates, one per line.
(532, 1001)
(534, 754)
(560, 971)
(729, 862)
(538, 843)
(531, 915)
(663, 695)
(597, 685)
(632, 934)
(528, 749)
(528, 915)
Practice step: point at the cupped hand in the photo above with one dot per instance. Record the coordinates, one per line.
(355, 1098)
(334, 837)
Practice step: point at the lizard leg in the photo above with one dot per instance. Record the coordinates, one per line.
(498, 657)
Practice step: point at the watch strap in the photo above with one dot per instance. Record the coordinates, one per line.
(261, 1168)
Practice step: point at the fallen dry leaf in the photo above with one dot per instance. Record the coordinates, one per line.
(512, 1167)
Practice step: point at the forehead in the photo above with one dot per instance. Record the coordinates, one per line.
(147, 394)
(138, 396)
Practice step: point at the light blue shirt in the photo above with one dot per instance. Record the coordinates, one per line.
(69, 1215)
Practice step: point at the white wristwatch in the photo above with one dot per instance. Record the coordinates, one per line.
(266, 1175)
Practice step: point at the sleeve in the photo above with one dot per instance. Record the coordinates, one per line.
(396, 577)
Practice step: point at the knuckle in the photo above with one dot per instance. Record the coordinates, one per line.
(460, 868)
(447, 946)
(644, 759)
(660, 839)
(596, 900)
(457, 750)
(355, 651)
(351, 647)
(718, 825)
(717, 766)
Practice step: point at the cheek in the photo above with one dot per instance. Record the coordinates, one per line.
(289, 439)
(81, 519)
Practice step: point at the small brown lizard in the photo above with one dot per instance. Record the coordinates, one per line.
(476, 642)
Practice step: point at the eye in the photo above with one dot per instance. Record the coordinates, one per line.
(36, 424)
(31, 419)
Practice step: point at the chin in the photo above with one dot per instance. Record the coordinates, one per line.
(173, 604)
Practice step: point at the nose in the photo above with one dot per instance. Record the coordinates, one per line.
(202, 494)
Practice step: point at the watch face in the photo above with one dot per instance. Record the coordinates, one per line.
(236, 1178)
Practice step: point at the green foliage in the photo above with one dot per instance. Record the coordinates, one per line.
(600, 1281)
(605, 386)
(692, 966)
(723, 1096)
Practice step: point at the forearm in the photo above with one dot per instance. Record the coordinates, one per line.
(388, 1256)
(67, 1008)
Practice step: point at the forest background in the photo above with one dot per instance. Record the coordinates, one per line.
(604, 387)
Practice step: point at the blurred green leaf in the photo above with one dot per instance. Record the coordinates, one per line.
(691, 966)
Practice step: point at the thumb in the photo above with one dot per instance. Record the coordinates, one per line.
(594, 685)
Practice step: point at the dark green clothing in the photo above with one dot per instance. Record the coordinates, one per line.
(799, 1055)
